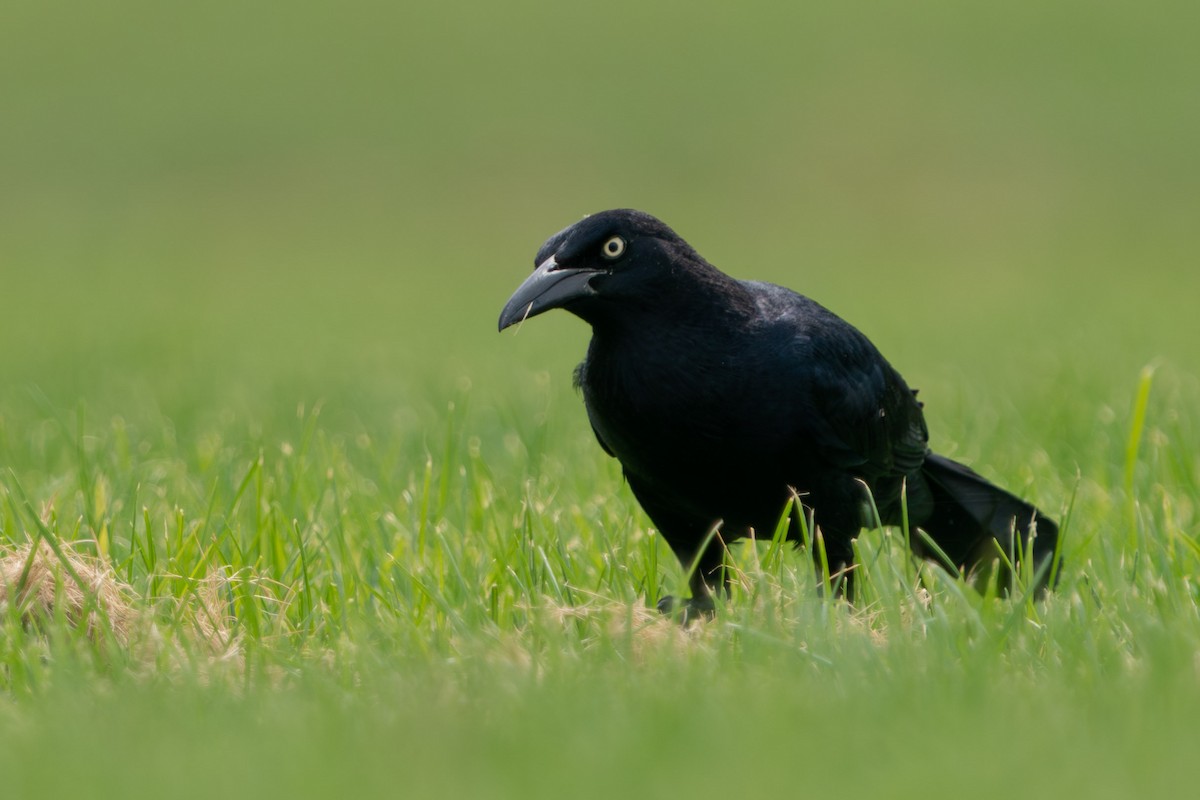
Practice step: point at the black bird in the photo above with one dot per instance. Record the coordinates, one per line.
(725, 398)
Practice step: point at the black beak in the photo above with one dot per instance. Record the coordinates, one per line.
(550, 286)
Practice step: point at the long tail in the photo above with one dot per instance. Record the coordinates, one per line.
(970, 516)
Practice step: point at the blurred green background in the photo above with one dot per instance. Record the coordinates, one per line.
(339, 197)
(214, 214)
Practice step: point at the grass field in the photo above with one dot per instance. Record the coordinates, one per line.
(357, 543)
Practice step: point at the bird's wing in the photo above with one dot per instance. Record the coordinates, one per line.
(867, 417)
(860, 413)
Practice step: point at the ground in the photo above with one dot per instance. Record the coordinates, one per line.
(252, 263)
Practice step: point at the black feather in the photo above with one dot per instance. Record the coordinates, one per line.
(722, 397)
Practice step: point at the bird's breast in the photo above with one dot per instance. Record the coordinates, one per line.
(688, 426)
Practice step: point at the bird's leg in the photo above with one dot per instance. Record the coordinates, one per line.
(698, 546)
(708, 576)
(834, 561)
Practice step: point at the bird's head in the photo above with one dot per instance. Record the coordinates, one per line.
(603, 258)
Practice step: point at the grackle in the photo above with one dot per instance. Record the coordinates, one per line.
(725, 399)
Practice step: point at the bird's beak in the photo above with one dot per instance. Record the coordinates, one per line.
(550, 286)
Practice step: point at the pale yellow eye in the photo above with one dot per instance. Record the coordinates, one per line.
(614, 247)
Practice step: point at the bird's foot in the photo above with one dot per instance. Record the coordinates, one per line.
(687, 611)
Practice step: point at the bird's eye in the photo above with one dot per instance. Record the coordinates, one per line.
(614, 247)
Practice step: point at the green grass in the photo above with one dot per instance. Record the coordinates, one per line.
(461, 608)
(250, 267)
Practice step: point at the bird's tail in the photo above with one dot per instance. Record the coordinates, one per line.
(970, 516)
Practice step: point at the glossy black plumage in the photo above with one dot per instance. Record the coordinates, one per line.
(721, 397)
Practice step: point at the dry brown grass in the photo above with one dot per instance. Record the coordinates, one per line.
(80, 588)
(42, 586)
